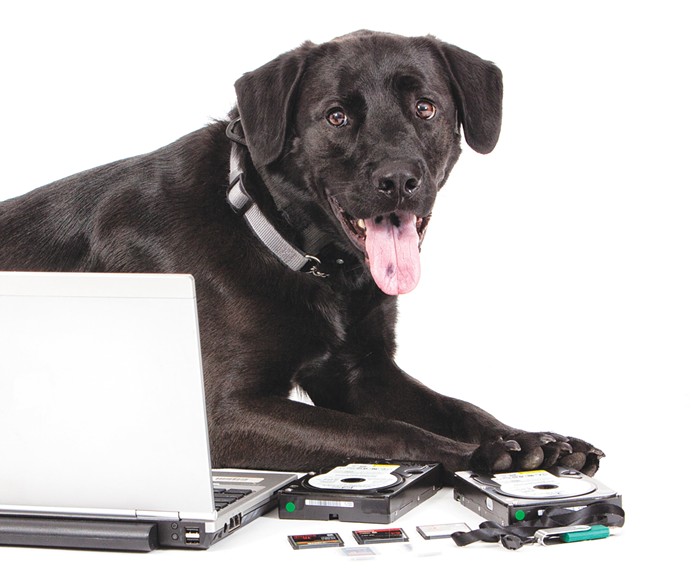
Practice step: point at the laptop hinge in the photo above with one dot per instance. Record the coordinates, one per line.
(203, 516)
(157, 515)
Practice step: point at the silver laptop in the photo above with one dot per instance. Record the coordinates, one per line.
(103, 428)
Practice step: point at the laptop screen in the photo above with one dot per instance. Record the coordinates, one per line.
(101, 393)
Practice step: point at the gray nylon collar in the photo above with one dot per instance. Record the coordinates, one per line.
(287, 253)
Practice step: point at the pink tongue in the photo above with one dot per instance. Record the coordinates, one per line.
(392, 249)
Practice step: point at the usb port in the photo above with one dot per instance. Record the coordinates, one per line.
(192, 536)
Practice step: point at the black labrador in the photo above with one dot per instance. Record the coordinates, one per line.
(301, 218)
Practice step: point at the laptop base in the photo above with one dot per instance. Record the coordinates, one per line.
(118, 535)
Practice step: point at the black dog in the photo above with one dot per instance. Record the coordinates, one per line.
(337, 152)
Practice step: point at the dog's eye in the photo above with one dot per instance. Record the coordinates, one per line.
(337, 117)
(425, 109)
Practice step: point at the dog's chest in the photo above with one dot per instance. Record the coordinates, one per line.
(325, 324)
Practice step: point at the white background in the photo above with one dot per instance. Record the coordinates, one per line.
(560, 273)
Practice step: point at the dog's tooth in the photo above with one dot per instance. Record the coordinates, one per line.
(361, 224)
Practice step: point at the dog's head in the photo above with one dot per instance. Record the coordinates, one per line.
(367, 127)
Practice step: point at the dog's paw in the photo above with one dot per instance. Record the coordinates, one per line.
(519, 450)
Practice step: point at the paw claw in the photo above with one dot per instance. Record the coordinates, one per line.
(512, 446)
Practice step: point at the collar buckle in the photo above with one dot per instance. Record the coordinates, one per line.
(238, 196)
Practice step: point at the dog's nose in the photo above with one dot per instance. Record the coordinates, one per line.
(401, 179)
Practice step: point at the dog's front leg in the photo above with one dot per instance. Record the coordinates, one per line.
(379, 390)
(276, 433)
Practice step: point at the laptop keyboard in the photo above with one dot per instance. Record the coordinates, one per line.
(223, 497)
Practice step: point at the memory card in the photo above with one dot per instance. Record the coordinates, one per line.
(432, 531)
(327, 540)
(380, 535)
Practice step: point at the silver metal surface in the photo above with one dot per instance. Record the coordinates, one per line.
(97, 402)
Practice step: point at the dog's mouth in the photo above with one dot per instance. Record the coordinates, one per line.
(391, 245)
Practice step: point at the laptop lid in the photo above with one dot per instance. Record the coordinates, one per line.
(101, 395)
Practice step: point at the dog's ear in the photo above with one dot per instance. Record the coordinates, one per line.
(478, 91)
(264, 100)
